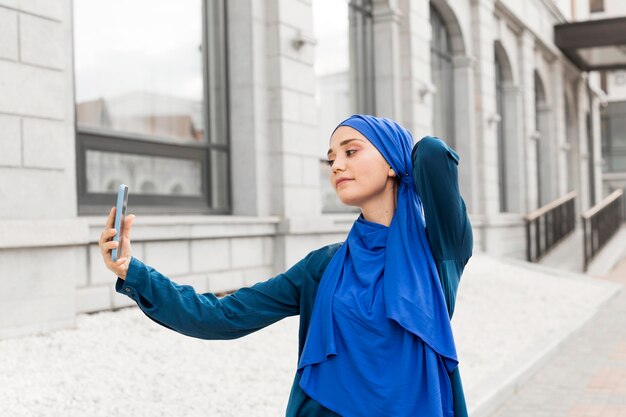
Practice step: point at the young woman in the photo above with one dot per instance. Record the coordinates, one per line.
(375, 336)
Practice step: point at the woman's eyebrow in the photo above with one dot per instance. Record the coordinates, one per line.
(343, 142)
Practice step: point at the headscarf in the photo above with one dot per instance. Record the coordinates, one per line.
(380, 340)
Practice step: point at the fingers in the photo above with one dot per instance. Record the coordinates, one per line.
(108, 246)
(106, 235)
(110, 218)
(120, 266)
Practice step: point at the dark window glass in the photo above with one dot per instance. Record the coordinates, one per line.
(613, 130)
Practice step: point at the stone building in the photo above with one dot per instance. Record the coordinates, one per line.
(217, 114)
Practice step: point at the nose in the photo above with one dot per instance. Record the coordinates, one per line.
(338, 164)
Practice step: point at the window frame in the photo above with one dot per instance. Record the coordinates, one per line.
(216, 137)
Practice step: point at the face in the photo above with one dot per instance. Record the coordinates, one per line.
(353, 157)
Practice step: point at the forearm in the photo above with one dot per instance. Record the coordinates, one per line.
(436, 178)
(205, 316)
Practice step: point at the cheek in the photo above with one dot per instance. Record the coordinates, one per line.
(376, 170)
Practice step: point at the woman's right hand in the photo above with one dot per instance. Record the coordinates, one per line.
(120, 266)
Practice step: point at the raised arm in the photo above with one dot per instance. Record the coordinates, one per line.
(436, 177)
(447, 224)
(205, 316)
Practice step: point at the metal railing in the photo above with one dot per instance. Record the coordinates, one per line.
(600, 223)
(548, 225)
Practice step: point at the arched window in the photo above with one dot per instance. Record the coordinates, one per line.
(500, 132)
(177, 189)
(442, 77)
(148, 187)
(541, 129)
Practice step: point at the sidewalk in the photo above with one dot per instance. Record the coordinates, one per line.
(588, 376)
(509, 319)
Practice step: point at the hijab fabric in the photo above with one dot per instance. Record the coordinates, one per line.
(380, 341)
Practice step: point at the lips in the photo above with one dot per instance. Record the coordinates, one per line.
(340, 180)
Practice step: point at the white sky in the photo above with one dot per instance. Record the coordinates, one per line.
(330, 27)
(153, 45)
(149, 45)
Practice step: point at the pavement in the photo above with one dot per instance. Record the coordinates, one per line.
(587, 377)
(513, 320)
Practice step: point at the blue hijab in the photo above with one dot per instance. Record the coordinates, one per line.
(380, 341)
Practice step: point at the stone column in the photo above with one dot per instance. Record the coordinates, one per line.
(467, 144)
(293, 144)
(527, 67)
(41, 258)
(583, 164)
(561, 149)
(514, 158)
(417, 87)
(485, 110)
(387, 18)
(250, 171)
(292, 120)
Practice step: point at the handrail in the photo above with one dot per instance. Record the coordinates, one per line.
(602, 204)
(542, 210)
(600, 223)
(549, 225)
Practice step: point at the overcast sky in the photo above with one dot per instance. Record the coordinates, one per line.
(150, 45)
(153, 45)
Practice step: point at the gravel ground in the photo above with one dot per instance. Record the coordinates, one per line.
(123, 364)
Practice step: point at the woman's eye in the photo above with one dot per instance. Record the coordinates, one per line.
(329, 162)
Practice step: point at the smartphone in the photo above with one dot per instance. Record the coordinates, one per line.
(120, 215)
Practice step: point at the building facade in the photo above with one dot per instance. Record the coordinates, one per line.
(218, 114)
(613, 112)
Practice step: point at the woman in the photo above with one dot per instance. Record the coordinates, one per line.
(375, 336)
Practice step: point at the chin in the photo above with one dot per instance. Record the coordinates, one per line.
(350, 200)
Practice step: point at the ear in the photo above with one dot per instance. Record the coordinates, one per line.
(392, 173)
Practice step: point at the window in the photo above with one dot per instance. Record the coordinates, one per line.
(613, 128)
(150, 105)
(344, 71)
(596, 6)
(502, 179)
(442, 72)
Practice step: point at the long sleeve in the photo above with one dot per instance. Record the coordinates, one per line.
(447, 224)
(448, 227)
(435, 173)
(206, 316)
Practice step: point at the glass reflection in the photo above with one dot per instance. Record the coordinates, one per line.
(147, 175)
(139, 68)
(335, 93)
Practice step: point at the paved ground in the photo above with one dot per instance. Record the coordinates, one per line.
(588, 376)
(509, 314)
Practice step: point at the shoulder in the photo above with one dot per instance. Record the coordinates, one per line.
(316, 261)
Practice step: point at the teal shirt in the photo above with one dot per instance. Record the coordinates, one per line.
(205, 316)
